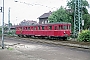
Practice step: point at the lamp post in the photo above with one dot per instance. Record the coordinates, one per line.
(3, 28)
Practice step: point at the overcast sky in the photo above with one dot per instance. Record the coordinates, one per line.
(30, 11)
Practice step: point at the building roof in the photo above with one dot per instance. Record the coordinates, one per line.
(45, 15)
(27, 22)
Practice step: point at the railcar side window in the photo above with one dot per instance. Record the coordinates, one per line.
(28, 28)
(50, 27)
(23, 28)
(55, 27)
(34, 28)
(38, 27)
(65, 27)
(20, 28)
(69, 27)
(17, 28)
(42, 27)
(59, 27)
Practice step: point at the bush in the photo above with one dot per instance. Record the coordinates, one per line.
(84, 36)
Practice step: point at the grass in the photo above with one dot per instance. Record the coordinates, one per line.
(10, 48)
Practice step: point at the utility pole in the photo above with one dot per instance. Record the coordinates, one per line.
(77, 17)
(3, 28)
(9, 20)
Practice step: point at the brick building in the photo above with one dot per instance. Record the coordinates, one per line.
(43, 19)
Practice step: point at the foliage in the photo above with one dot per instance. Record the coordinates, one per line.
(59, 16)
(10, 48)
(0, 31)
(5, 28)
(10, 24)
(71, 4)
(84, 36)
(86, 18)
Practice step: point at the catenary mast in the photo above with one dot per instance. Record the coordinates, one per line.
(77, 17)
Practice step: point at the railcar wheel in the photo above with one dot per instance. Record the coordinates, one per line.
(22, 35)
(64, 38)
(27, 36)
(18, 35)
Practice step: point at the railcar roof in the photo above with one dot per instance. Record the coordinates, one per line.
(46, 24)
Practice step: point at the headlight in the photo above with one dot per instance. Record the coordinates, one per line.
(64, 32)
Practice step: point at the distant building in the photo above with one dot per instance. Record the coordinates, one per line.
(12, 28)
(43, 19)
(27, 22)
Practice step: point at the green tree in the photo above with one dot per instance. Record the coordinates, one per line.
(10, 24)
(59, 16)
(0, 31)
(86, 18)
(71, 4)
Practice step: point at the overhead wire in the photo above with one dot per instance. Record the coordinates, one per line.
(38, 5)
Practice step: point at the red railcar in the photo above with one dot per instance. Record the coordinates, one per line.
(62, 29)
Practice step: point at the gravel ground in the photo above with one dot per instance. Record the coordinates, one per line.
(71, 42)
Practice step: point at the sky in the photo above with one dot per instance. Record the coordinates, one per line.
(29, 9)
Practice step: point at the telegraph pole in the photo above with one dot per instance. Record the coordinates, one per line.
(77, 17)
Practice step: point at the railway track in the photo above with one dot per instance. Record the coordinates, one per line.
(71, 43)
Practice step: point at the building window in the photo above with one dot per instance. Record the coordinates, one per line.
(42, 22)
(45, 21)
